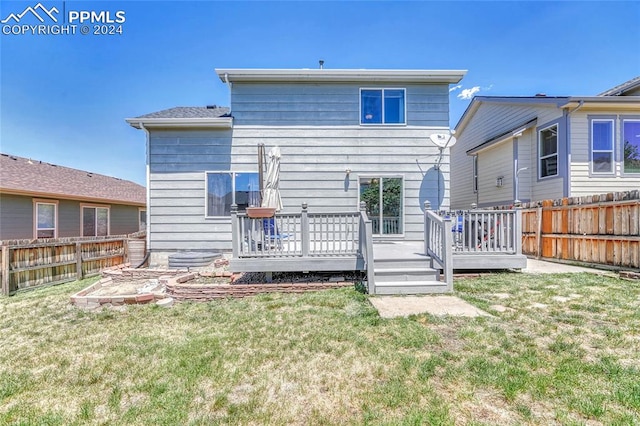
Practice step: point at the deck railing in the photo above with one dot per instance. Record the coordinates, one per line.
(301, 234)
(486, 231)
(438, 242)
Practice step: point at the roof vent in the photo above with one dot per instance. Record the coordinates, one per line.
(321, 62)
(212, 106)
(541, 95)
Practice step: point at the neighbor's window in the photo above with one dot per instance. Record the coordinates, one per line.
(475, 173)
(631, 147)
(95, 221)
(602, 146)
(548, 151)
(142, 219)
(227, 188)
(382, 106)
(46, 220)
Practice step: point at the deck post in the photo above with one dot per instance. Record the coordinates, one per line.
(366, 242)
(447, 252)
(427, 207)
(518, 229)
(235, 231)
(304, 227)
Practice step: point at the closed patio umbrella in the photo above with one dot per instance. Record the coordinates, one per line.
(271, 197)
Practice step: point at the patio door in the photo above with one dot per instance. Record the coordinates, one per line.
(384, 199)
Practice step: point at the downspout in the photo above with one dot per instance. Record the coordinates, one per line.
(228, 83)
(567, 184)
(148, 155)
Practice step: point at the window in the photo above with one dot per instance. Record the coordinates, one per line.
(227, 188)
(602, 146)
(45, 219)
(475, 173)
(142, 219)
(382, 106)
(631, 145)
(548, 151)
(95, 221)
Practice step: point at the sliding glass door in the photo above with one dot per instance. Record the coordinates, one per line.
(384, 200)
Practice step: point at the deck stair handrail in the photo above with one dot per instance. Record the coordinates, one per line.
(366, 246)
(438, 242)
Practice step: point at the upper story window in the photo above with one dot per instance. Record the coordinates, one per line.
(602, 146)
(95, 221)
(548, 151)
(382, 106)
(46, 219)
(631, 147)
(227, 188)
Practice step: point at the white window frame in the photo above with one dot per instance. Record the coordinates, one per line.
(95, 206)
(612, 151)
(382, 89)
(233, 189)
(625, 120)
(557, 154)
(475, 174)
(36, 203)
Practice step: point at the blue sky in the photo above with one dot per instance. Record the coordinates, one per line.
(64, 98)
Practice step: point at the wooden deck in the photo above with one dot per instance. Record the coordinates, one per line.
(342, 241)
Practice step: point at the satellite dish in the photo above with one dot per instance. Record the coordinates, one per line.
(443, 140)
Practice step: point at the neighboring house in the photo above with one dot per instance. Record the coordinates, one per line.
(42, 200)
(549, 147)
(345, 136)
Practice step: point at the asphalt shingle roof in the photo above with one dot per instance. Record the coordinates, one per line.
(190, 112)
(18, 175)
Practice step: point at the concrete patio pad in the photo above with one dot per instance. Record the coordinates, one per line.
(403, 306)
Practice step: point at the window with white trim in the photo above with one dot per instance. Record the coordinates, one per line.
(382, 106)
(548, 151)
(475, 173)
(602, 143)
(142, 219)
(46, 220)
(227, 188)
(95, 221)
(631, 145)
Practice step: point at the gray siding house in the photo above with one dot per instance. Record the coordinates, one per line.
(345, 136)
(43, 200)
(543, 147)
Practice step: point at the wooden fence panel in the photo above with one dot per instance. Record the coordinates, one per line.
(26, 264)
(602, 229)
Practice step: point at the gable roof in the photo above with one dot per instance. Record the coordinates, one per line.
(209, 116)
(623, 88)
(339, 75)
(23, 176)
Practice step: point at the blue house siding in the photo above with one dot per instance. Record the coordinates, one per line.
(335, 104)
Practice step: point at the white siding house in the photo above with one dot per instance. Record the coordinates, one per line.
(542, 147)
(342, 133)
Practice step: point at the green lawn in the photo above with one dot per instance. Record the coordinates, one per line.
(565, 351)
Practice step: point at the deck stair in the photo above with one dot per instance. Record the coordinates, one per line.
(400, 268)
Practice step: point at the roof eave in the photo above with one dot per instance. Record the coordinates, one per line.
(604, 101)
(200, 122)
(53, 195)
(340, 75)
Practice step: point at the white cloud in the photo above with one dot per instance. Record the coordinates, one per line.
(459, 86)
(468, 93)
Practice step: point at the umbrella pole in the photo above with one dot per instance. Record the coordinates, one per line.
(261, 170)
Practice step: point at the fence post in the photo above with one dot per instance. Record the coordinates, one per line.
(79, 273)
(5, 270)
(236, 238)
(539, 232)
(304, 228)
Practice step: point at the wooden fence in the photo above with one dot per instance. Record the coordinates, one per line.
(28, 264)
(600, 229)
